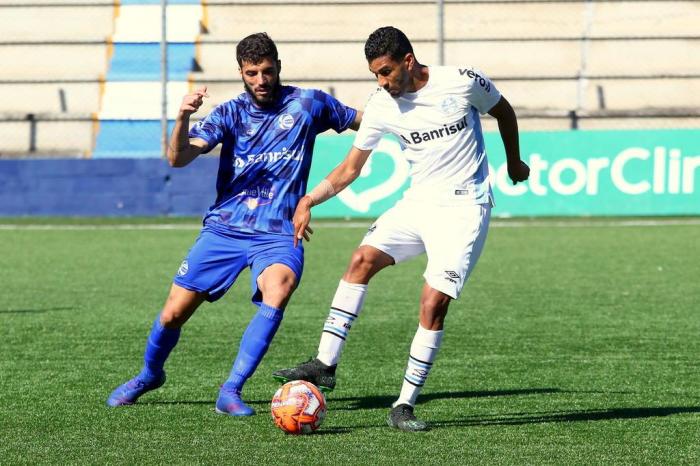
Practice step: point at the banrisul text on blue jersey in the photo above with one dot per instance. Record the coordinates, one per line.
(417, 137)
(482, 82)
(268, 157)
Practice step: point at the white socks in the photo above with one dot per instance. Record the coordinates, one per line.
(424, 349)
(346, 306)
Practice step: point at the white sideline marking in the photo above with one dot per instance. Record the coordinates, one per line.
(495, 223)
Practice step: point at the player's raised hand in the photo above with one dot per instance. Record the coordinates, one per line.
(192, 102)
(518, 171)
(301, 219)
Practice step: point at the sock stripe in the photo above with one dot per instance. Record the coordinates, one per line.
(334, 334)
(353, 316)
(344, 316)
(415, 384)
(338, 330)
(426, 363)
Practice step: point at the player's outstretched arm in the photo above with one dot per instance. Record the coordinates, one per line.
(181, 149)
(337, 180)
(508, 127)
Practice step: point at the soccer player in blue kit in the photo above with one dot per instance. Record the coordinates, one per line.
(267, 136)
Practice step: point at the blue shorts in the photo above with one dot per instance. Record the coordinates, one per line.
(219, 255)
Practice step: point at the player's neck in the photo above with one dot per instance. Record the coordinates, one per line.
(419, 77)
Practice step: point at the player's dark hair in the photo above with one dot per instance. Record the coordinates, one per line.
(387, 41)
(255, 48)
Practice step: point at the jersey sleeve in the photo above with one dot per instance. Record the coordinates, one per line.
(334, 114)
(480, 91)
(210, 129)
(371, 129)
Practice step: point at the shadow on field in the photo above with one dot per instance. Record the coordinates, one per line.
(34, 311)
(197, 402)
(379, 401)
(384, 401)
(571, 416)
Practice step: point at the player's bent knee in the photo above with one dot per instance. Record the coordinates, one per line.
(277, 288)
(179, 307)
(435, 303)
(171, 318)
(278, 295)
(175, 316)
(362, 266)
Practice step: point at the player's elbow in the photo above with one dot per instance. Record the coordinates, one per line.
(178, 159)
(172, 159)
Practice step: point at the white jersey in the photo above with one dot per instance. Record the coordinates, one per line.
(440, 133)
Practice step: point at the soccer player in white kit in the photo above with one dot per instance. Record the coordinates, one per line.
(434, 111)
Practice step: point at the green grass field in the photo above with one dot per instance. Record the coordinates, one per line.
(572, 344)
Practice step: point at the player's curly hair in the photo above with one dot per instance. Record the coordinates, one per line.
(387, 41)
(255, 48)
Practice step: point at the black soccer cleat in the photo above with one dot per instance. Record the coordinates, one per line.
(402, 418)
(313, 371)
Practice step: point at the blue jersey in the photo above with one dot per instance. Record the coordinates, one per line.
(266, 156)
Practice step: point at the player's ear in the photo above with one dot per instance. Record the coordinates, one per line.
(409, 60)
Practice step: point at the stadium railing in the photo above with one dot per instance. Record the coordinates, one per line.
(564, 64)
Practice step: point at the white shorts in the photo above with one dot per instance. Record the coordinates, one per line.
(452, 236)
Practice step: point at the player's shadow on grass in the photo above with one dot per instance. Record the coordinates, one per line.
(384, 401)
(567, 416)
(34, 311)
(211, 402)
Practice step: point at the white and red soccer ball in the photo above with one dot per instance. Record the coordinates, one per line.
(298, 407)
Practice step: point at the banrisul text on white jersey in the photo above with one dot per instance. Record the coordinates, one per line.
(416, 137)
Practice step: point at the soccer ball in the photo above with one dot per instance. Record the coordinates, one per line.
(298, 407)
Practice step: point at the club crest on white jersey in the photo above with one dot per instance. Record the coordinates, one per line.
(449, 105)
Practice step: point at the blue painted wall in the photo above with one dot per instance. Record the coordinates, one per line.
(106, 187)
(129, 138)
(141, 62)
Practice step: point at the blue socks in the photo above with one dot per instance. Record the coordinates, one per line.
(161, 342)
(254, 344)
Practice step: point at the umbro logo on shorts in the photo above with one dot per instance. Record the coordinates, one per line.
(371, 229)
(452, 276)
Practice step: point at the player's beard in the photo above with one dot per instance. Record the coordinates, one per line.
(270, 100)
(402, 85)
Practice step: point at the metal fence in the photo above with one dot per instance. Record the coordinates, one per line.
(99, 78)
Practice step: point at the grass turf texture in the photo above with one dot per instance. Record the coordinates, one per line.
(570, 345)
